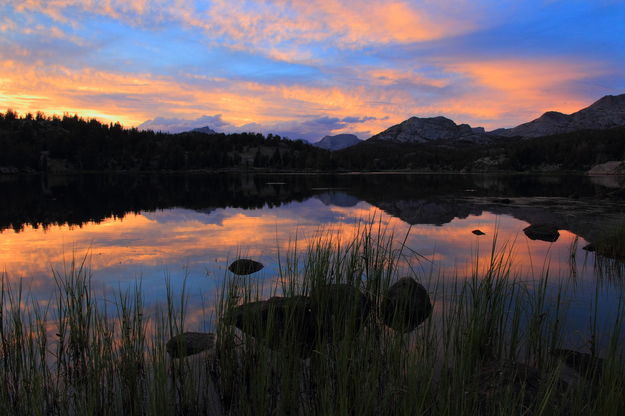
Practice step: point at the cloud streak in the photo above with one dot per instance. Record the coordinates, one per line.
(305, 69)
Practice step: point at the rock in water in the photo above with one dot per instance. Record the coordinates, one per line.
(301, 323)
(278, 322)
(341, 309)
(190, 343)
(244, 267)
(495, 382)
(543, 232)
(590, 247)
(478, 232)
(585, 364)
(406, 305)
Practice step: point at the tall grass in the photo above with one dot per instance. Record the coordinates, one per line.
(487, 348)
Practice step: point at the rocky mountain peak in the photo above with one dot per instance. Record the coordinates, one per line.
(605, 113)
(427, 129)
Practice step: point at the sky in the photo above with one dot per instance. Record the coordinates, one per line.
(308, 68)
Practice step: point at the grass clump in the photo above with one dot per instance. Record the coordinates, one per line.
(312, 342)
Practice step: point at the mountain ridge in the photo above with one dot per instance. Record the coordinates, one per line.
(605, 113)
(337, 142)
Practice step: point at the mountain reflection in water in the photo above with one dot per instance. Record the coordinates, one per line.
(188, 227)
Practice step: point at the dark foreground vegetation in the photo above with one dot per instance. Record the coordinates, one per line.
(492, 345)
(40, 143)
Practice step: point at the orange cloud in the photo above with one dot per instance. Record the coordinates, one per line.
(352, 23)
(524, 87)
(133, 98)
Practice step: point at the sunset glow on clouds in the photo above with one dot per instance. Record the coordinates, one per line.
(305, 69)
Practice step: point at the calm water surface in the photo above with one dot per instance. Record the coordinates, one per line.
(151, 229)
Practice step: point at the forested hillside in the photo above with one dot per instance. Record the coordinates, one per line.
(43, 143)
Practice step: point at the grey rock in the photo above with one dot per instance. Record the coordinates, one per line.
(341, 309)
(615, 167)
(585, 364)
(495, 381)
(406, 305)
(278, 322)
(338, 142)
(300, 323)
(244, 267)
(590, 247)
(189, 343)
(543, 232)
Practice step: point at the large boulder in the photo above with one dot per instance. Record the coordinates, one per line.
(189, 343)
(341, 309)
(244, 267)
(406, 305)
(543, 232)
(301, 323)
(278, 322)
(616, 167)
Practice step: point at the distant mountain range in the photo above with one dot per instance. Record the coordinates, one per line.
(338, 142)
(605, 113)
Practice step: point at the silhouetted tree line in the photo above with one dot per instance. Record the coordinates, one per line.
(578, 151)
(44, 143)
(36, 142)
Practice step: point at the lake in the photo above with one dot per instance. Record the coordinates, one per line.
(186, 229)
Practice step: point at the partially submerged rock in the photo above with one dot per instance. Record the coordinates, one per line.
(244, 267)
(543, 232)
(278, 322)
(497, 380)
(190, 343)
(612, 245)
(478, 232)
(502, 201)
(614, 167)
(585, 364)
(304, 322)
(590, 247)
(406, 305)
(341, 309)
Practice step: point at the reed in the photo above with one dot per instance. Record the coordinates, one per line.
(488, 348)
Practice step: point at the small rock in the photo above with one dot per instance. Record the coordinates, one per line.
(406, 305)
(543, 232)
(244, 267)
(585, 364)
(590, 247)
(190, 343)
(478, 232)
(502, 201)
(495, 381)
